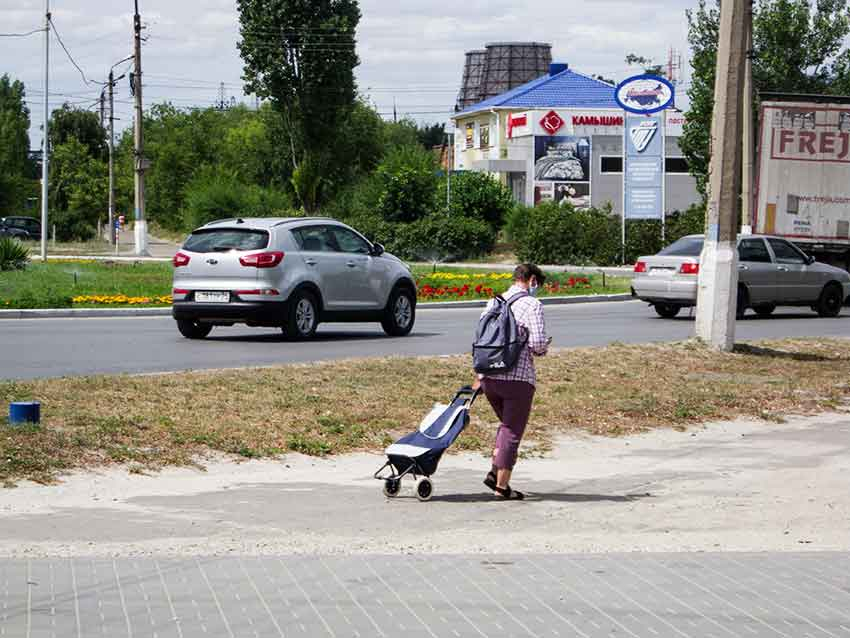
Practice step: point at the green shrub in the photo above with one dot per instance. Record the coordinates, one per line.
(13, 254)
(479, 196)
(72, 225)
(215, 195)
(441, 237)
(406, 184)
(558, 234)
(687, 222)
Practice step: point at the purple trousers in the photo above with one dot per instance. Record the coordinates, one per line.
(511, 400)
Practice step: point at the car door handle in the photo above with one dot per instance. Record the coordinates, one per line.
(351, 264)
(782, 268)
(310, 261)
(743, 267)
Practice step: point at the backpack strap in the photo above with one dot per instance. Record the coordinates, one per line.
(517, 297)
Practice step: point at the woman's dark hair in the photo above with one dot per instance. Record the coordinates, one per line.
(524, 272)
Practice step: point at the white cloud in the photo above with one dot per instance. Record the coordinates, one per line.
(414, 47)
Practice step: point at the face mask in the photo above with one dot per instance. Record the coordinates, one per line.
(532, 290)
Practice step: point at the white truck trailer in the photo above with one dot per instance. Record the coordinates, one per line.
(802, 188)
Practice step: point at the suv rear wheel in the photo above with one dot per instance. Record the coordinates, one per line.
(193, 329)
(667, 310)
(400, 313)
(302, 316)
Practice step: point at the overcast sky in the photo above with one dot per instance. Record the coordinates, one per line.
(410, 49)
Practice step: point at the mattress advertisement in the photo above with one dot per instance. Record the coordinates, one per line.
(561, 159)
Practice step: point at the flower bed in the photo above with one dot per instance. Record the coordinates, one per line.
(120, 300)
(450, 286)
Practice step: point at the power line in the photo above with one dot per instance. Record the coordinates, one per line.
(70, 57)
(21, 35)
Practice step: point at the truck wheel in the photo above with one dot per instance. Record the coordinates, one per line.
(302, 316)
(831, 300)
(193, 329)
(400, 313)
(667, 310)
(765, 310)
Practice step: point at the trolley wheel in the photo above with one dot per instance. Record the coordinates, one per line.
(392, 487)
(424, 489)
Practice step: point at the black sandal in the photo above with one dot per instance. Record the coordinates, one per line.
(509, 494)
(490, 481)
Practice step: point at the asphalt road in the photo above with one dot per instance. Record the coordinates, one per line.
(69, 347)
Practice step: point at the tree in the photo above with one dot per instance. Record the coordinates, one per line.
(14, 130)
(649, 66)
(79, 186)
(300, 54)
(798, 47)
(84, 126)
(432, 135)
(407, 184)
(479, 196)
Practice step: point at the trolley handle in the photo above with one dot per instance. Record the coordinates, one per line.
(467, 390)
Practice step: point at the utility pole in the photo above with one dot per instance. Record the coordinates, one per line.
(749, 150)
(45, 153)
(141, 231)
(718, 277)
(112, 234)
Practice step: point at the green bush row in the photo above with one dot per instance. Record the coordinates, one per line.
(555, 234)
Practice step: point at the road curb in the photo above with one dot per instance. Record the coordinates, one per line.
(79, 313)
(546, 301)
(88, 313)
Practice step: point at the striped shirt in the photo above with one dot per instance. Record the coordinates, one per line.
(528, 313)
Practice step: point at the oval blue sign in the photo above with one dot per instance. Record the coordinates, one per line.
(645, 94)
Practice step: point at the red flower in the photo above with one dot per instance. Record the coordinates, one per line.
(479, 288)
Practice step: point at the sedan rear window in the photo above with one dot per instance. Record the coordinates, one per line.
(212, 240)
(685, 247)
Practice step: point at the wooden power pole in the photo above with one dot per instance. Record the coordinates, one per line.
(718, 278)
(141, 234)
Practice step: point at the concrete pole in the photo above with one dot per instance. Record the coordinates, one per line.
(718, 278)
(45, 150)
(141, 230)
(112, 233)
(749, 150)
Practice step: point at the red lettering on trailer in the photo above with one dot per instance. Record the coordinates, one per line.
(807, 142)
(785, 138)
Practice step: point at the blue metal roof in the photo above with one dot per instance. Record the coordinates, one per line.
(567, 89)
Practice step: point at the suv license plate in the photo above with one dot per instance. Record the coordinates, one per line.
(212, 297)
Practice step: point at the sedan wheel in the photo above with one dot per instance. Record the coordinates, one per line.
(831, 300)
(765, 310)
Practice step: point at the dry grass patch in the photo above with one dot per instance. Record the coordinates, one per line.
(152, 421)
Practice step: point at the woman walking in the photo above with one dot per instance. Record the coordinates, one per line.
(511, 393)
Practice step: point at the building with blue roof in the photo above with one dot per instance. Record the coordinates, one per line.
(560, 138)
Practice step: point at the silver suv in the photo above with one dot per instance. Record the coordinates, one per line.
(291, 273)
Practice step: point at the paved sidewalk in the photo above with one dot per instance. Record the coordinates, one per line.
(636, 595)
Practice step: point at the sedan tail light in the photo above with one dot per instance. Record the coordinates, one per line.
(179, 291)
(262, 260)
(689, 269)
(180, 259)
(640, 266)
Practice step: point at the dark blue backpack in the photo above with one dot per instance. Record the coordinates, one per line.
(498, 338)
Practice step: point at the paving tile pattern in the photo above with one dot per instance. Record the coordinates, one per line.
(589, 596)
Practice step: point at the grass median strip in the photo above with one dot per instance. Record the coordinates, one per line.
(152, 421)
(92, 284)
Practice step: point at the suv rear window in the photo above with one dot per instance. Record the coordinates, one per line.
(684, 247)
(213, 240)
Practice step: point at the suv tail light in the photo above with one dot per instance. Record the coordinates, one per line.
(640, 266)
(180, 259)
(689, 269)
(262, 260)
